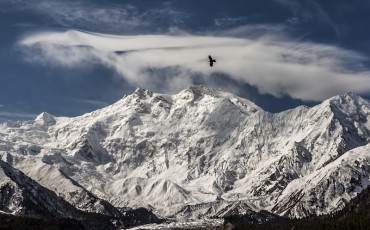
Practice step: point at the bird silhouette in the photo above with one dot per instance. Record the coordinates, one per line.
(211, 60)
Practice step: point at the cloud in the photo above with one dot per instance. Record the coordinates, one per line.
(109, 16)
(15, 116)
(309, 11)
(306, 71)
(229, 21)
(96, 103)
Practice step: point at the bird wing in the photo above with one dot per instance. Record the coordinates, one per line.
(209, 57)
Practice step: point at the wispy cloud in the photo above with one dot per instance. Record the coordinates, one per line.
(15, 116)
(309, 11)
(229, 21)
(90, 102)
(305, 71)
(90, 15)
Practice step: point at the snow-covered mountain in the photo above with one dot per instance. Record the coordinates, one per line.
(202, 152)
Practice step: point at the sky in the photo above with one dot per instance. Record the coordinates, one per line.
(71, 57)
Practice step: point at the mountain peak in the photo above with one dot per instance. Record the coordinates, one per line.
(197, 91)
(201, 90)
(45, 119)
(346, 98)
(143, 93)
(348, 103)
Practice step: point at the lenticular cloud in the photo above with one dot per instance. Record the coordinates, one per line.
(306, 71)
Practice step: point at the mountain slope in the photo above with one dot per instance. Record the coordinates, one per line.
(198, 152)
(355, 215)
(20, 195)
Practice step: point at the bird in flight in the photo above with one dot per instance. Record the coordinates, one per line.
(211, 60)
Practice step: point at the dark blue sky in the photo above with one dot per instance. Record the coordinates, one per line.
(29, 87)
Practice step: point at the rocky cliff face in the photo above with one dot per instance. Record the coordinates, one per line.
(198, 153)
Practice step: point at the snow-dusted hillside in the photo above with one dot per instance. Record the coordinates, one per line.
(199, 153)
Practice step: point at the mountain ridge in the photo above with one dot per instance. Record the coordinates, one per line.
(197, 148)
